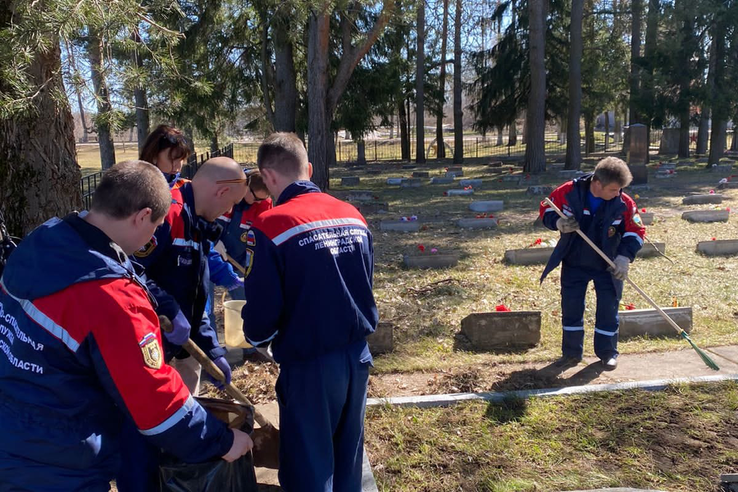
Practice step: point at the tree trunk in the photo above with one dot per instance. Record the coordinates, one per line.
(703, 131)
(688, 46)
(78, 93)
(38, 170)
(618, 129)
(733, 140)
(512, 137)
(214, 145)
(525, 130)
(635, 54)
(500, 136)
(419, 86)
(142, 102)
(535, 152)
(404, 136)
(319, 121)
(458, 110)
(589, 140)
(647, 84)
(607, 129)
(573, 134)
(719, 111)
(361, 151)
(285, 88)
(441, 153)
(104, 108)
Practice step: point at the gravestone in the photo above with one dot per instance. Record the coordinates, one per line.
(707, 216)
(528, 256)
(399, 225)
(455, 169)
(703, 160)
(442, 180)
(728, 185)
(721, 168)
(571, 173)
(702, 199)
(374, 171)
(454, 174)
(487, 206)
(459, 192)
(539, 190)
(729, 482)
(411, 183)
(350, 181)
(513, 330)
(409, 166)
(665, 174)
(512, 177)
(431, 260)
(476, 183)
(667, 166)
(421, 174)
(394, 181)
(373, 207)
(638, 144)
(669, 141)
(360, 196)
(650, 250)
(640, 175)
(478, 223)
(647, 218)
(639, 322)
(382, 340)
(495, 164)
(721, 247)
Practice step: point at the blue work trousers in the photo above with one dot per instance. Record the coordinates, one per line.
(609, 290)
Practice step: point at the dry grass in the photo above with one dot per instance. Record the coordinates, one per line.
(680, 439)
(426, 325)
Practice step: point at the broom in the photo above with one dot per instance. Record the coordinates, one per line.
(705, 358)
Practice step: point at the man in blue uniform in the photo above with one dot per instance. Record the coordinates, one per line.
(597, 205)
(309, 291)
(82, 348)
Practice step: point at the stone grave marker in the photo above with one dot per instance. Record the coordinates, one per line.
(399, 225)
(667, 166)
(730, 185)
(373, 171)
(665, 174)
(382, 341)
(360, 196)
(707, 216)
(511, 178)
(539, 190)
(476, 183)
(443, 180)
(454, 174)
(650, 250)
(495, 164)
(638, 144)
(719, 247)
(528, 256)
(703, 160)
(500, 331)
(455, 169)
(486, 206)
(639, 322)
(421, 174)
(411, 183)
(669, 141)
(478, 223)
(459, 192)
(409, 166)
(373, 207)
(431, 260)
(721, 168)
(713, 198)
(350, 181)
(394, 181)
(647, 218)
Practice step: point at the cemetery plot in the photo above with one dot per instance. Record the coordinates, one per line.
(641, 322)
(496, 331)
(431, 260)
(707, 216)
(721, 247)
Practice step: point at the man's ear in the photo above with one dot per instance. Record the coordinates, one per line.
(223, 190)
(142, 216)
(310, 169)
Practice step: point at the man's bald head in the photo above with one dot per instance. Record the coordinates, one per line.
(218, 185)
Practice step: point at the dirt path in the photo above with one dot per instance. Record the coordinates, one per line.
(505, 377)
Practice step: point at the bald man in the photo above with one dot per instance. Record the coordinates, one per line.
(175, 260)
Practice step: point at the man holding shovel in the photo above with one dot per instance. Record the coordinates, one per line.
(597, 206)
(309, 291)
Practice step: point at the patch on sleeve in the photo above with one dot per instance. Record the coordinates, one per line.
(637, 220)
(151, 352)
(249, 262)
(147, 248)
(249, 238)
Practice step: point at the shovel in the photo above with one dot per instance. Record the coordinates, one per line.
(705, 358)
(266, 436)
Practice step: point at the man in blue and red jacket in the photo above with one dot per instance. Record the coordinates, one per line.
(82, 348)
(597, 205)
(175, 259)
(309, 264)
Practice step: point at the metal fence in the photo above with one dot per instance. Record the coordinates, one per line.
(89, 183)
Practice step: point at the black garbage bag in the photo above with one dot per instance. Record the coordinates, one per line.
(216, 475)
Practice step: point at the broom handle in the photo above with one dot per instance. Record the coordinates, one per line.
(673, 324)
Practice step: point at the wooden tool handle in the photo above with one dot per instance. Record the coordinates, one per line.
(668, 319)
(214, 371)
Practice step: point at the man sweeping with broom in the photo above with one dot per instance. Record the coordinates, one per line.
(596, 205)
